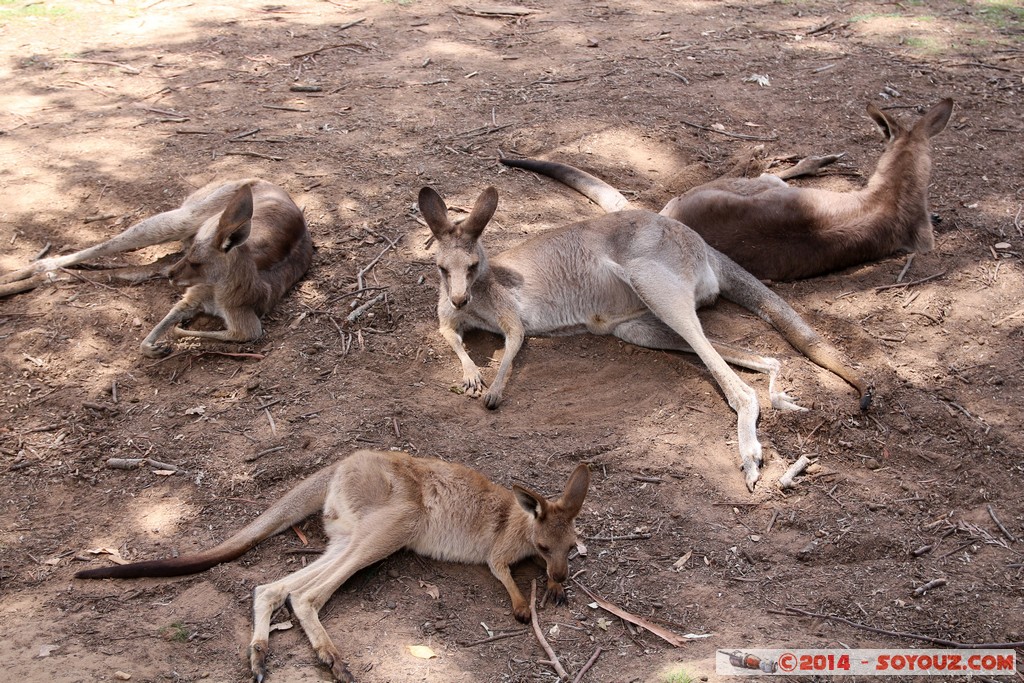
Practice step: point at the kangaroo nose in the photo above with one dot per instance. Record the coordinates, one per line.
(459, 301)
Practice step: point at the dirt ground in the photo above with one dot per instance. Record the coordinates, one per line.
(111, 111)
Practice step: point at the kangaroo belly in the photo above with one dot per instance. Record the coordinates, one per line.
(595, 304)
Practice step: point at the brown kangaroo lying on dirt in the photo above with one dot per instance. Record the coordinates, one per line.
(376, 503)
(246, 244)
(634, 274)
(778, 232)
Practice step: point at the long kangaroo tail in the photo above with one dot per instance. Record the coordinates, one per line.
(741, 287)
(302, 501)
(591, 187)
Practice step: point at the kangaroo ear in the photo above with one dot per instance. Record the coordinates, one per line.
(434, 212)
(888, 125)
(482, 212)
(935, 119)
(235, 221)
(576, 489)
(533, 503)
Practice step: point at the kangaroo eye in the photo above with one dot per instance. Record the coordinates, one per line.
(543, 548)
(444, 271)
(472, 268)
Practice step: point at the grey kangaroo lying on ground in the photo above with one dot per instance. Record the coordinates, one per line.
(245, 245)
(778, 232)
(376, 503)
(634, 274)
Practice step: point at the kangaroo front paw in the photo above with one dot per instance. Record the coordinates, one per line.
(521, 613)
(557, 594)
(473, 385)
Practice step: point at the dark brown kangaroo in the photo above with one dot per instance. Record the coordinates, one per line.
(779, 232)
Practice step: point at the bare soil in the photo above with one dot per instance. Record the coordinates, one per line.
(113, 111)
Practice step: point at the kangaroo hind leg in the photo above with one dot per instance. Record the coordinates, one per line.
(378, 535)
(650, 332)
(809, 166)
(671, 298)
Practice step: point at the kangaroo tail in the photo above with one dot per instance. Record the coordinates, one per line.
(302, 501)
(594, 189)
(741, 287)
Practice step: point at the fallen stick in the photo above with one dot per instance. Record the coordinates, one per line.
(358, 312)
(786, 480)
(563, 675)
(365, 269)
(331, 47)
(793, 611)
(586, 667)
(663, 633)
(499, 636)
(133, 463)
(992, 514)
(101, 62)
(911, 283)
(924, 588)
(738, 136)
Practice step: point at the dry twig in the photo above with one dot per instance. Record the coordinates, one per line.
(992, 514)
(552, 657)
(119, 65)
(132, 463)
(663, 633)
(738, 136)
(911, 283)
(793, 611)
(925, 587)
(786, 480)
(586, 667)
(497, 636)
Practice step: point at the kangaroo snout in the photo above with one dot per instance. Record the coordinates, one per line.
(558, 574)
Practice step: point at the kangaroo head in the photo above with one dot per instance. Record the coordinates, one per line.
(554, 535)
(905, 169)
(207, 259)
(460, 258)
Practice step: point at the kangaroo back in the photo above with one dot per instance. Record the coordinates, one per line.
(739, 286)
(302, 501)
(252, 252)
(779, 232)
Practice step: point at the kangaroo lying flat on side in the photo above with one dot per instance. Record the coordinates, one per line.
(376, 503)
(779, 232)
(246, 244)
(634, 274)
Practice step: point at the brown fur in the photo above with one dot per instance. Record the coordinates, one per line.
(246, 244)
(779, 232)
(376, 503)
(634, 274)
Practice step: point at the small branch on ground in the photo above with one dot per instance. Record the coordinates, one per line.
(563, 675)
(133, 463)
(586, 667)
(786, 480)
(992, 513)
(497, 636)
(793, 611)
(738, 136)
(911, 283)
(663, 633)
